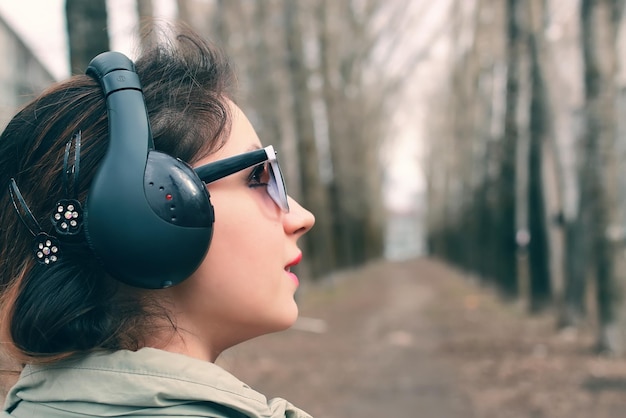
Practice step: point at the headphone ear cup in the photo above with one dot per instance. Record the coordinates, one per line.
(154, 237)
(148, 217)
(175, 192)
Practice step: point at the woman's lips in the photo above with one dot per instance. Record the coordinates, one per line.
(291, 264)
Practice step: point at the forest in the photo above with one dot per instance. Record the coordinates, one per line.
(511, 112)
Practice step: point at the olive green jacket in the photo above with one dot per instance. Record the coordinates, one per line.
(146, 383)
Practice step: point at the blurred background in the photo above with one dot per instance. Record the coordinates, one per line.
(484, 135)
(327, 69)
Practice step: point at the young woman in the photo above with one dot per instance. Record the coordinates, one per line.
(126, 271)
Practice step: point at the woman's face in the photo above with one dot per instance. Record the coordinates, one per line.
(243, 288)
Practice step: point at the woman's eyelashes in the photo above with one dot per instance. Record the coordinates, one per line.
(259, 176)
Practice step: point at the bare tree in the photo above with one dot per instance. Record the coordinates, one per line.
(547, 179)
(539, 129)
(462, 186)
(87, 31)
(491, 170)
(506, 155)
(145, 12)
(602, 169)
(314, 195)
(145, 8)
(356, 101)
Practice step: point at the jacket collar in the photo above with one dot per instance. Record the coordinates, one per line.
(149, 378)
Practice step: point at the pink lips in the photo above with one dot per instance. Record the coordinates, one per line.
(293, 263)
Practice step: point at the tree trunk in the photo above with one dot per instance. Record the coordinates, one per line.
(320, 244)
(354, 129)
(550, 181)
(599, 20)
(539, 112)
(577, 259)
(145, 12)
(145, 9)
(505, 221)
(262, 71)
(87, 31)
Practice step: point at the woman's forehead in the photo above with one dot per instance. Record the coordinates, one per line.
(242, 137)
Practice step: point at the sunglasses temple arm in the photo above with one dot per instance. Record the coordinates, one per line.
(222, 168)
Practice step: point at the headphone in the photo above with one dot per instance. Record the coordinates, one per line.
(148, 216)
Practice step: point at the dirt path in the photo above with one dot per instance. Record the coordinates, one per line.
(377, 358)
(419, 339)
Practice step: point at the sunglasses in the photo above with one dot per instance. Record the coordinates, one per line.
(275, 185)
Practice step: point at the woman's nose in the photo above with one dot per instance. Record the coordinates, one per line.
(298, 220)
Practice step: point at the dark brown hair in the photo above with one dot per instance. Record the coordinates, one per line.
(54, 311)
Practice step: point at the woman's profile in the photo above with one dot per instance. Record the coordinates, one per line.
(145, 230)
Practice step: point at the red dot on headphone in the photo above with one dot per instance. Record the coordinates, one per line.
(168, 197)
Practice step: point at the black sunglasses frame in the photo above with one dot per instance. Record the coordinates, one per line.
(219, 169)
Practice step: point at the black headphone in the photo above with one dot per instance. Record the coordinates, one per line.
(148, 216)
